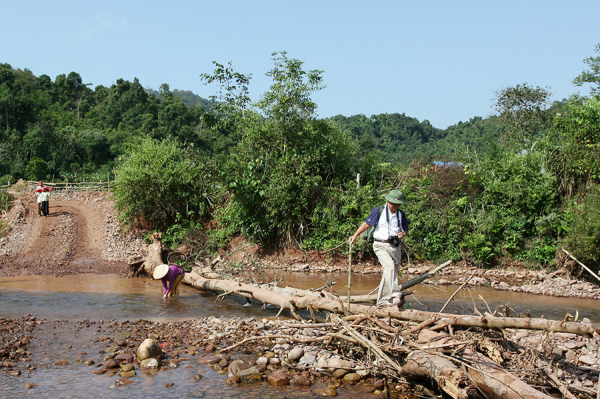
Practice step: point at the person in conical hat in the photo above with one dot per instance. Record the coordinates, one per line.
(170, 276)
(38, 191)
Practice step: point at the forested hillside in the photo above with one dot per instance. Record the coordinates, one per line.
(62, 129)
(521, 184)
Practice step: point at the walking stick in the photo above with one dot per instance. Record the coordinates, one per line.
(349, 274)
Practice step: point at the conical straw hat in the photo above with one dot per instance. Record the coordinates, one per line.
(160, 271)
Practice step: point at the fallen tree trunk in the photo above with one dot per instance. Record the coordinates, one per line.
(337, 306)
(450, 378)
(496, 382)
(150, 258)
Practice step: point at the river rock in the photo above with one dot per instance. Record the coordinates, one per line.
(236, 366)
(480, 281)
(574, 345)
(352, 377)
(278, 378)
(326, 392)
(260, 367)
(150, 363)
(211, 359)
(232, 379)
(61, 362)
(262, 360)
(337, 363)
(340, 373)
(587, 360)
(110, 364)
(127, 367)
(557, 353)
(296, 354)
(308, 360)
(147, 349)
(124, 357)
(123, 381)
(249, 375)
(209, 348)
(301, 380)
(127, 374)
(322, 362)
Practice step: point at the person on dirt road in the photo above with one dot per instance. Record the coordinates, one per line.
(391, 225)
(45, 197)
(171, 276)
(38, 191)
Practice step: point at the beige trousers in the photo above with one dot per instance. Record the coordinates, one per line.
(389, 293)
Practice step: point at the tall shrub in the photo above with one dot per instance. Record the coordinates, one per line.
(157, 181)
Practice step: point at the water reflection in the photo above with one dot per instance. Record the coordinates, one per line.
(432, 298)
(108, 297)
(102, 297)
(112, 297)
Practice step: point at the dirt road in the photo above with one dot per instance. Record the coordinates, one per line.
(80, 235)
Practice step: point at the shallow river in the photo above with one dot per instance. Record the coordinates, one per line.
(63, 301)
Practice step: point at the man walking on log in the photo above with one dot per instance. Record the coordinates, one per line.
(391, 225)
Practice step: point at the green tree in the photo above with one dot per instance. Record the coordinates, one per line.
(36, 169)
(157, 182)
(286, 157)
(578, 154)
(591, 75)
(523, 110)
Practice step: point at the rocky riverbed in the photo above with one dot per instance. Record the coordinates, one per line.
(282, 353)
(84, 226)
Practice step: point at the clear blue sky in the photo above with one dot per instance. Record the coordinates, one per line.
(435, 60)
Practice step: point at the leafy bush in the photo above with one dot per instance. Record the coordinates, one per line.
(578, 154)
(582, 238)
(6, 200)
(36, 169)
(158, 182)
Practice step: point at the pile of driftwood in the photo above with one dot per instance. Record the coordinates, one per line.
(462, 353)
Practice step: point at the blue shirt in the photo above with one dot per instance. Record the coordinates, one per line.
(373, 218)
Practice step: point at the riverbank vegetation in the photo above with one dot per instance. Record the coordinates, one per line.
(517, 186)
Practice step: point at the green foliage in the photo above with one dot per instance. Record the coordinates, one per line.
(275, 172)
(578, 159)
(582, 236)
(492, 208)
(285, 159)
(36, 169)
(335, 218)
(523, 111)
(182, 229)
(6, 200)
(157, 181)
(591, 75)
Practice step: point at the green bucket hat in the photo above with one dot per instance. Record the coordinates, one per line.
(395, 197)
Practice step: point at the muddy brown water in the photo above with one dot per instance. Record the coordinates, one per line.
(63, 301)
